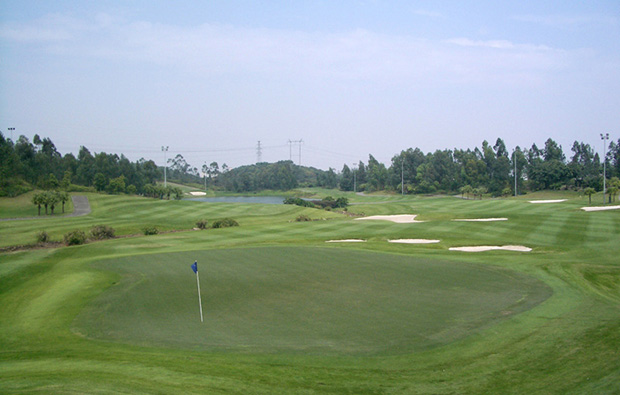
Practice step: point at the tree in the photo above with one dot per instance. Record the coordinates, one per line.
(614, 187)
(65, 183)
(346, 179)
(52, 199)
(117, 185)
(100, 182)
(52, 182)
(38, 200)
(64, 198)
(589, 191)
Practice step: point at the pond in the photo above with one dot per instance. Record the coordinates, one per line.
(241, 199)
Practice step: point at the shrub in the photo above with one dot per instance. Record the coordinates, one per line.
(298, 201)
(224, 223)
(201, 224)
(74, 238)
(101, 232)
(302, 218)
(42, 237)
(150, 230)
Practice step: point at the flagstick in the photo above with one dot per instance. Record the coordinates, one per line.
(199, 298)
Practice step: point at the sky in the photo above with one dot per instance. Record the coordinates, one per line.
(324, 83)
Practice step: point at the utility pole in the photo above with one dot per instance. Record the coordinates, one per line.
(165, 150)
(259, 155)
(604, 137)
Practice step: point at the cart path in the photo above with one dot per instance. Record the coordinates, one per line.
(81, 207)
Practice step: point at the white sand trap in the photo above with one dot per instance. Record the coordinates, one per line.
(547, 201)
(346, 241)
(198, 193)
(414, 241)
(481, 220)
(602, 208)
(399, 219)
(490, 248)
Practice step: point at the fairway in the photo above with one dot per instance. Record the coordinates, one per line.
(286, 312)
(301, 299)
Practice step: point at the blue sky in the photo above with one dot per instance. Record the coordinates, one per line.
(349, 78)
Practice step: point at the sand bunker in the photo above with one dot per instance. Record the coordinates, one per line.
(481, 219)
(602, 208)
(198, 193)
(414, 241)
(399, 219)
(346, 241)
(548, 201)
(490, 248)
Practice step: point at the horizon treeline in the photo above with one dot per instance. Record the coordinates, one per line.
(491, 169)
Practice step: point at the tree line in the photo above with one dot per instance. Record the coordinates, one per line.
(489, 169)
(38, 164)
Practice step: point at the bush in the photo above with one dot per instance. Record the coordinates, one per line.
(74, 238)
(201, 224)
(302, 218)
(224, 223)
(42, 237)
(150, 230)
(101, 232)
(298, 201)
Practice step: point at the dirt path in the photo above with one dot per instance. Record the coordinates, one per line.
(81, 207)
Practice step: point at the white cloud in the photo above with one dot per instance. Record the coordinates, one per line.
(567, 21)
(216, 49)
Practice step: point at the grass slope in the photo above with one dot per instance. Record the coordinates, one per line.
(570, 343)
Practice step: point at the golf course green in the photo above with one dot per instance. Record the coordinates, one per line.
(304, 299)
(286, 312)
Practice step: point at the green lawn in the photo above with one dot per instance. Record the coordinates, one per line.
(303, 299)
(287, 313)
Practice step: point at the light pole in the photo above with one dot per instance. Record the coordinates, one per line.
(165, 150)
(11, 130)
(354, 180)
(402, 176)
(514, 158)
(604, 137)
(205, 173)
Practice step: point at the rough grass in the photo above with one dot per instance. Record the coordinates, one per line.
(568, 344)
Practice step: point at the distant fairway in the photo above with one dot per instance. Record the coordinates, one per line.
(301, 299)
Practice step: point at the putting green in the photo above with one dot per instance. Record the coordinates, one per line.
(302, 299)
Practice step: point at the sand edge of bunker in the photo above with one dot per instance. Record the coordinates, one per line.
(491, 248)
(414, 241)
(600, 208)
(398, 218)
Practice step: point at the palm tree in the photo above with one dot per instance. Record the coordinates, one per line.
(64, 197)
(37, 200)
(589, 192)
(52, 199)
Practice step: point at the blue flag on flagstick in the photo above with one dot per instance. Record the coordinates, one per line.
(195, 267)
